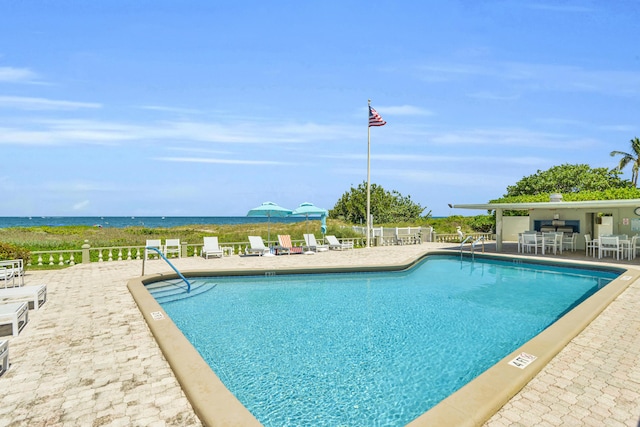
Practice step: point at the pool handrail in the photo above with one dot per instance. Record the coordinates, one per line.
(170, 265)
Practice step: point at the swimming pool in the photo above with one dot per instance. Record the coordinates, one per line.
(360, 349)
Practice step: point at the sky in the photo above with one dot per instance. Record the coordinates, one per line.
(209, 108)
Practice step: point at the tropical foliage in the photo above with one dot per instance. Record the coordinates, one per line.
(566, 179)
(386, 206)
(9, 251)
(632, 159)
(575, 183)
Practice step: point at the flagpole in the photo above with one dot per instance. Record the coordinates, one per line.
(368, 179)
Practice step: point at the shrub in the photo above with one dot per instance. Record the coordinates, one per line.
(9, 251)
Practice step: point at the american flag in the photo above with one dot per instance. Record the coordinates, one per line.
(375, 119)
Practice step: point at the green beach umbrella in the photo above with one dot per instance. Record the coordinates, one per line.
(269, 209)
(309, 209)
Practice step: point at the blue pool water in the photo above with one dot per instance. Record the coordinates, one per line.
(366, 349)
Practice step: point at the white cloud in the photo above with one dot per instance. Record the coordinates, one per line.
(445, 159)
(26, 103)
(536, 77)
(492, 96)
(620, 128)
(17, 75)
(81, 205)
(79, 131)
(512, 137)
(169, 109)
(218, 161)
(404, 110)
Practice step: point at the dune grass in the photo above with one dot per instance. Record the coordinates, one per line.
(73, 237)
(48, 238)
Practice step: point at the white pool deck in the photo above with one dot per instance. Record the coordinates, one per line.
(87, 357)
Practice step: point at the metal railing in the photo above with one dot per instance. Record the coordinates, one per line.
(472, 247)
(149, 248)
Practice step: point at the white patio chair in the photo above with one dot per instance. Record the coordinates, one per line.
(211, 247)
(635, 245)
(590, 245)
(627, 246)
(531, 241)
(172, 247)
(552, 241)
(152, 243)
(569, 241)
(609, 244)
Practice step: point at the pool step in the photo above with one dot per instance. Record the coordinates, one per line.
(169, 291)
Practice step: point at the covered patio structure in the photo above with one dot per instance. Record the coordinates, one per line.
(593, 217)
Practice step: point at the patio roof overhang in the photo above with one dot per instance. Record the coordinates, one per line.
(587, 204)
(592, 205)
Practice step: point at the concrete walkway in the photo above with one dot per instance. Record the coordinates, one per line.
(87, 358)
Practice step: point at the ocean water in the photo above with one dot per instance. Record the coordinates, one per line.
(136, 221)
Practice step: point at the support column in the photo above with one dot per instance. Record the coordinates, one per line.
(498, 230)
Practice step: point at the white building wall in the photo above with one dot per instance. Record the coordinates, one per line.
(512, 225)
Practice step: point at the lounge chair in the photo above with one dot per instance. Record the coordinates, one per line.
(211, 248)
(172, 247)
(334, 243)
(256, 246)
(7, 276)
(4, 356)
(15, 314)
(285, 245)
(153, 243)
(313, 245)
(35, 295)
(10, 269)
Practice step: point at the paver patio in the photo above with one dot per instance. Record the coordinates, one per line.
(87, 357)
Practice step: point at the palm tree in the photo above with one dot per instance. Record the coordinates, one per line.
(627, 158)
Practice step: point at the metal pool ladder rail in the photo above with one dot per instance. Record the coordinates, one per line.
(473, 244)
(170, 265)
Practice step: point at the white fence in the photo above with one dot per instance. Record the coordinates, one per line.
(386, 236)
